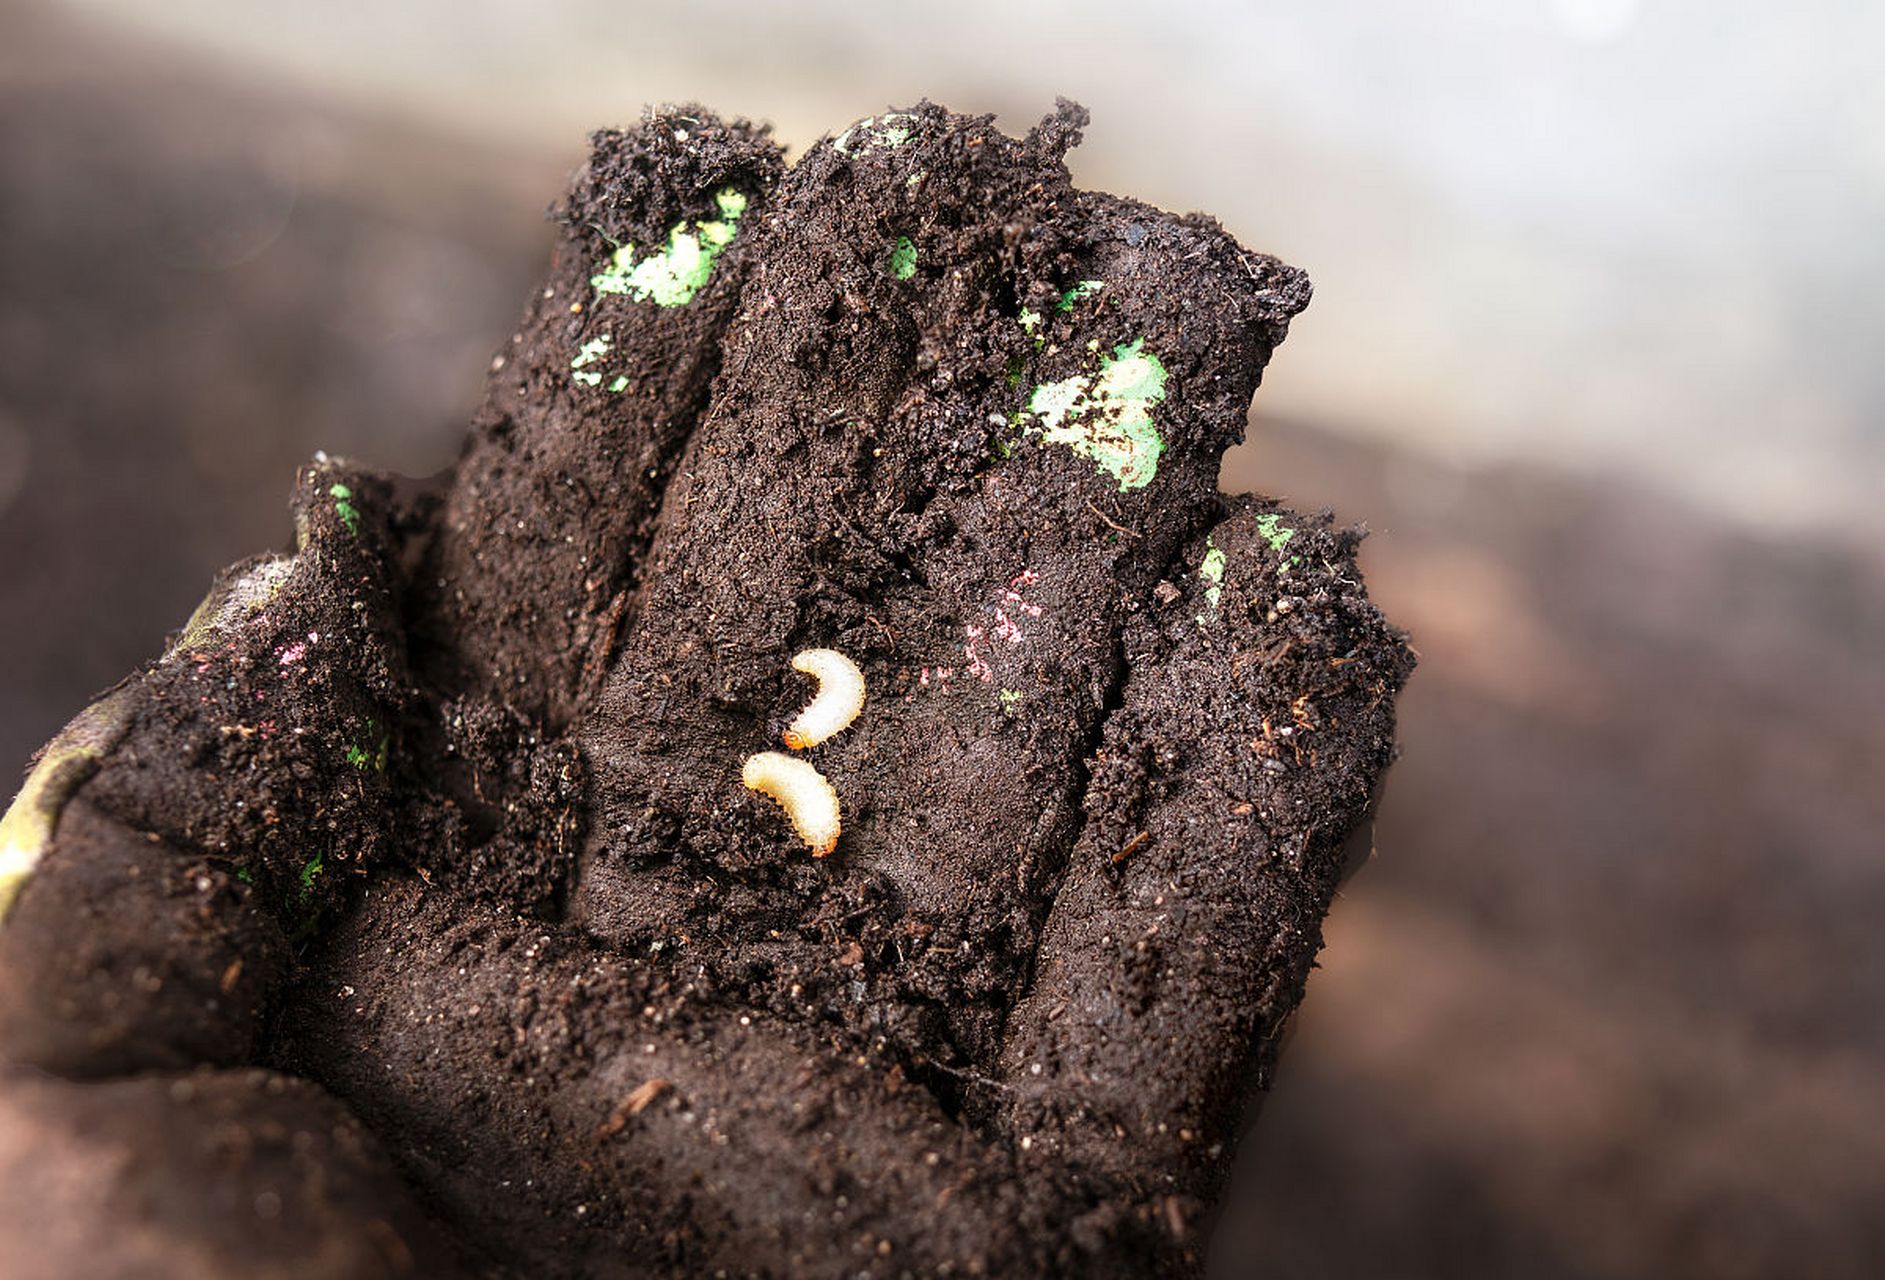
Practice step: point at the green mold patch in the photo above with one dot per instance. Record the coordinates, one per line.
(672, 276)
(1107, 416)
(344, 508)
(1270, 527)
(902, 261)
(68, 760)
(363, 758)
(1211, 571)
(1030, 319)
(1084, 289)
(593, 352)
(1030, 322)
(303, 903)
(310, 871)
(892, 129)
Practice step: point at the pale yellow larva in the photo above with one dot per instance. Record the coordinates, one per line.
(808, 800)
(839, 698)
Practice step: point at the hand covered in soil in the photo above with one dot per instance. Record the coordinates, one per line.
(408, 915)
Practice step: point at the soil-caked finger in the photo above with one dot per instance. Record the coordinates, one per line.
(1254, 727)
(967, 413)
(587, 408)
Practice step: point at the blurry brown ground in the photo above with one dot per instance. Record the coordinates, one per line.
(1608, 1003)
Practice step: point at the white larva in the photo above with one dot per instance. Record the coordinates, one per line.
(839, 698)
(808, 800)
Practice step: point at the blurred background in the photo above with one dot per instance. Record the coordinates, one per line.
(1594, 353)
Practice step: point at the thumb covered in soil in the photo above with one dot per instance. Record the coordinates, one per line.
(175, 839)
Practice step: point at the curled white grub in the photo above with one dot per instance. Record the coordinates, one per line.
(839, 698)
(808, 800)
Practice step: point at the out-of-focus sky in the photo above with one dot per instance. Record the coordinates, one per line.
(1632, 236)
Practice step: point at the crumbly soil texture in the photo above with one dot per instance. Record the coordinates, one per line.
(436, 824)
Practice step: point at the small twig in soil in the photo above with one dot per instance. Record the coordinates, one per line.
(1111, 523)
(633, 1105)
(1131, 847)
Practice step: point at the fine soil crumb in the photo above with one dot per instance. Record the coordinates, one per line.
(443, 811)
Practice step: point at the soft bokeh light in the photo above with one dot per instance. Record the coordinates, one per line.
(1604, 234)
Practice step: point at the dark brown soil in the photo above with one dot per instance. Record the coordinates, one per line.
(443, 811)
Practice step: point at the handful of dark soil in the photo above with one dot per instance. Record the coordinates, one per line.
(409, 916)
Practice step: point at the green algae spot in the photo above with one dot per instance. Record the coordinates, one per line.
(1030, 322)
(890, 130)
(1270, 526)
(360, 758)
(68, 760)
(1000, 437)
(671, 277)
(1212, 571)
(304, 903)
(1084, 289)
(592, 352)
(1107, 416)
(903, 258)
(1010, 699)
(1030, 319)
(348, 513)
